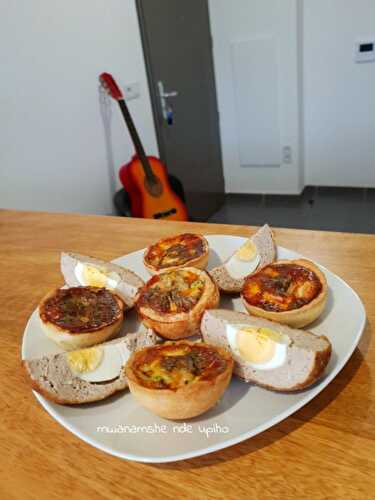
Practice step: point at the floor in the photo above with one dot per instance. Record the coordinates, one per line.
(324, 208)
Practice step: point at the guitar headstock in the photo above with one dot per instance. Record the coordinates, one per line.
(111, 86)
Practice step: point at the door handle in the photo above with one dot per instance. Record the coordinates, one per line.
(166, 108)
(173, 93)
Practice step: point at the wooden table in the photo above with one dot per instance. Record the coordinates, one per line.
(325, 450)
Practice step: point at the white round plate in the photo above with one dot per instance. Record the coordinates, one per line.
(121, 427)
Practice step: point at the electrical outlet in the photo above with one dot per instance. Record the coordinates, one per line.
(287, 154)
(131, 91)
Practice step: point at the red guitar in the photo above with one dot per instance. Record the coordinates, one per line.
(145, 178)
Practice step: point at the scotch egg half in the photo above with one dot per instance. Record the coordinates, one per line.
(244, 261)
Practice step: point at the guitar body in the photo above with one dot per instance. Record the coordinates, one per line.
(145, 178)
(151, 200)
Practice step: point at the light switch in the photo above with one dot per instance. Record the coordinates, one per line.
(364, 51)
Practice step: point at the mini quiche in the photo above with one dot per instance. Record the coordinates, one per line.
(292, 292)
(183, 250)
(173, 302)
(178, 380)
(81, 316)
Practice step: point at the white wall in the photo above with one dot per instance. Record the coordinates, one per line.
(52, 142)
(53, 152)
(244, 20)
(339, 95)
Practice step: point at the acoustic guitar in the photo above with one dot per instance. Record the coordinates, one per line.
(145, 178)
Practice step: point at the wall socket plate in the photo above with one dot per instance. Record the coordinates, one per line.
(131, 91)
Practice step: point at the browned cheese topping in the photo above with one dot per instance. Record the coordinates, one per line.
(81, 309)
(175, 365)
(175, 251)
(282, 287)
(172, 292)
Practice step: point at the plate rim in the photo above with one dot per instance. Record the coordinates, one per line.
(47, 405)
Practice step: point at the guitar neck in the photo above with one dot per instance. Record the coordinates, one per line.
(136, 141)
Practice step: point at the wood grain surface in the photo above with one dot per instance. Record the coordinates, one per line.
(325, 450)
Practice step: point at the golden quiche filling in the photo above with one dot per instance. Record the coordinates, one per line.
(81, 309)
(172, 292)
(174, 365)
(175, 251)
(282, 287)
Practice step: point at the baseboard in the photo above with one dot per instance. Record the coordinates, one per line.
(272, 192)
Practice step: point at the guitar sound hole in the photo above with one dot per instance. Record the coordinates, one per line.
(154, 188)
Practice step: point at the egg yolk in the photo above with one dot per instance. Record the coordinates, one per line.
(254, 348)
(247, 251)
(93, 277)
(258, 345)
(85, 360)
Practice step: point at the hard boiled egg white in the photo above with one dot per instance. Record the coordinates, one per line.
(89, 275)
(261, 348)
(244, 261)
(100, 363)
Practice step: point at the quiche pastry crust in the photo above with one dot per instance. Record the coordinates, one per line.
(82, 326)
(184, 400)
